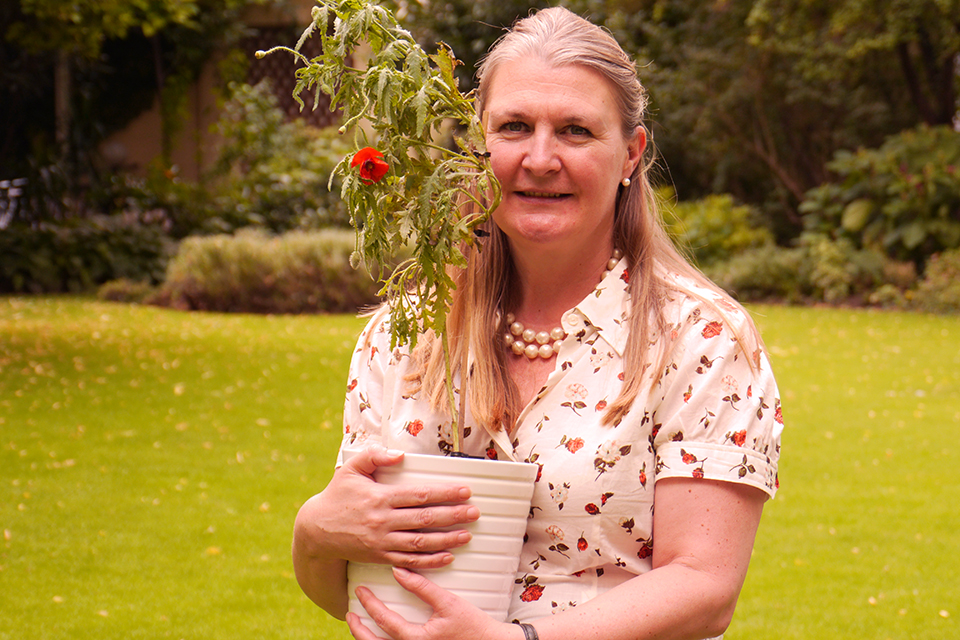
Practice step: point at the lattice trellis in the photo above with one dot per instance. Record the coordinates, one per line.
(279, 68)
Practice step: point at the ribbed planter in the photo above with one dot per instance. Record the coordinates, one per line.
(483, 570)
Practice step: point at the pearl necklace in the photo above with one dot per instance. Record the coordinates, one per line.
(542, 344)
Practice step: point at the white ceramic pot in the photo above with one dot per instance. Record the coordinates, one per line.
(483, 570)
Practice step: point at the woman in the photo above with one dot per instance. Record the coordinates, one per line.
(646, 398)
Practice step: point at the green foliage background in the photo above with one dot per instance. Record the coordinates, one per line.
(152, 462)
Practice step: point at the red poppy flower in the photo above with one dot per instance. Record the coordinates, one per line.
(574, 445)
(372, 165)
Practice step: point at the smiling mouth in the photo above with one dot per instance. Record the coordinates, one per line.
(542, 194)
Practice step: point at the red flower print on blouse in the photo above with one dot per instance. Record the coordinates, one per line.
(414, 427)
(739, 437)
(625, 276)
(532, 593)
(592, 509)
(372, 165)
(712, 330)
(582, 543)
(574, 444)
(646, 548)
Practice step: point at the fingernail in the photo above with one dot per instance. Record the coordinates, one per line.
(464, 537)
(394, 452)
(464, 493)
(472, 512)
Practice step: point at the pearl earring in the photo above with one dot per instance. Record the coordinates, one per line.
(625, 182)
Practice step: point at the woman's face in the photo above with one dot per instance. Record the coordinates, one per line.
(556, 144)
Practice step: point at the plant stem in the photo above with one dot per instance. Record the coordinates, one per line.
(456, 427)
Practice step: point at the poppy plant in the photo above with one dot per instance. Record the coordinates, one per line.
(372, 165)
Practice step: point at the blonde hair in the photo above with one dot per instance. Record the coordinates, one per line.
(559, 37)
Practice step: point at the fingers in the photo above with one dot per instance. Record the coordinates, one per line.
(419, 561)
(426, 494)
(422, 588)
(434, 517)
(419, 550)
(358, 630)
(367, 461)
(390, 621)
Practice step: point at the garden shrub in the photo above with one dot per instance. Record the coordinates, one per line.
(902, 199)
(80, 254)
(252, 271)
(818, 269)
(888, 296)
(125, 290)
(939, 290)
(836, 271)
(269, 173)
(713, 229)
(767, 272)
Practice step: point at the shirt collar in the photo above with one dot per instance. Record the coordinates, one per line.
(604, 310)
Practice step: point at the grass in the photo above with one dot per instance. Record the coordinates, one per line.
(861, 541)
(152, 462)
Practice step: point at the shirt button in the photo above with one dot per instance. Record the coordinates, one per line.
(573, 320)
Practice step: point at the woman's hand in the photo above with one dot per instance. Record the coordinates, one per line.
(453, 617)
(356, 519)
(359, 520)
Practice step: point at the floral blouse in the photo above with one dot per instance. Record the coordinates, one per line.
(712, 415)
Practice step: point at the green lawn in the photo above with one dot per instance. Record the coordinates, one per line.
(152, 462)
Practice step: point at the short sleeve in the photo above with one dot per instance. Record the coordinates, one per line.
(719, 415)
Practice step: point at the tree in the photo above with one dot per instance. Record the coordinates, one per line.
(468, 27)
(73, 37)
(919, 38)
(79, 30)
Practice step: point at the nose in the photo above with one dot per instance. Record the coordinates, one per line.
(541, 155)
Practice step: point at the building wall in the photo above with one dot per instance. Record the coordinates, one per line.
(195, 147)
